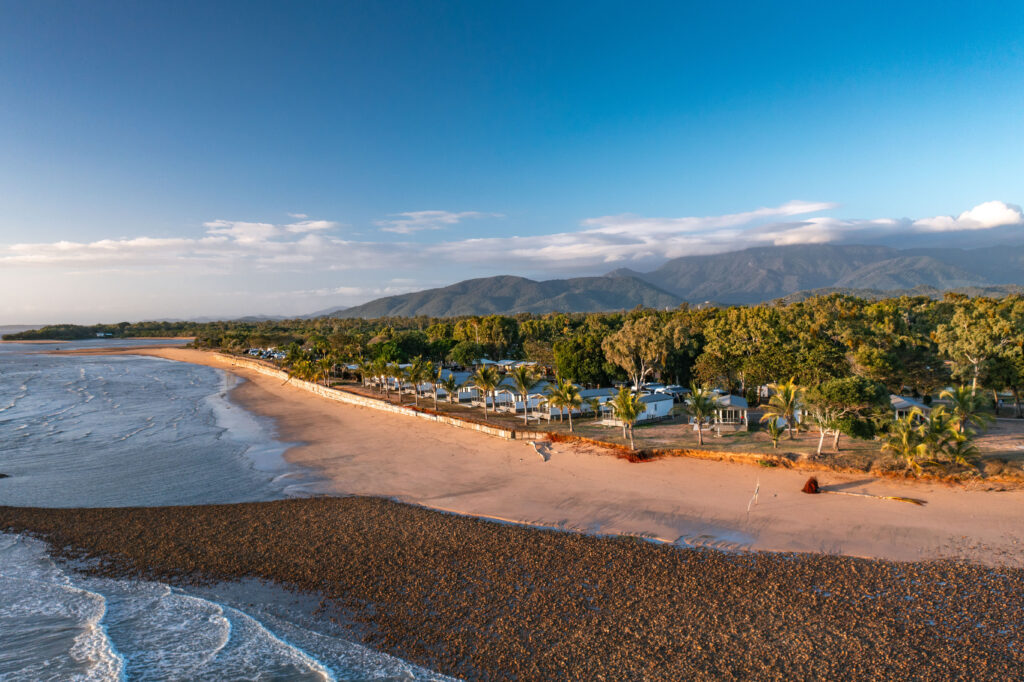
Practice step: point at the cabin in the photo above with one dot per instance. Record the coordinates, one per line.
(657, 407)
(730, 413)
(601, 395)
(902, 406)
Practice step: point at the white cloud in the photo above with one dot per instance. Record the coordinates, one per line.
(298, 216)
(310, 226)
(982, 217)
(416, 221)
(243, 232)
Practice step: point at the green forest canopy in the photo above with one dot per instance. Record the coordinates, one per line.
(907, 343)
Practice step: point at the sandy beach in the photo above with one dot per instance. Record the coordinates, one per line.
(697, 502)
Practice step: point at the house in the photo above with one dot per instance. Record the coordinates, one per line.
(731, 413)
(903, 406)
(601, 395)
(657, 406)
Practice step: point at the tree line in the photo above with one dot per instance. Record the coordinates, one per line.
(913, 345)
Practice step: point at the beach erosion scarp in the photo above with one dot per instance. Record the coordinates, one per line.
(481, 600)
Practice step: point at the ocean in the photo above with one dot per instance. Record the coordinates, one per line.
(103, 431)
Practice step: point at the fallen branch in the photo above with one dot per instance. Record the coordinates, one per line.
(812, 488)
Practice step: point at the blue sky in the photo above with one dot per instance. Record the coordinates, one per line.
(154, 156)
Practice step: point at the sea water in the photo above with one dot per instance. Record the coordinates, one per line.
(98, 431)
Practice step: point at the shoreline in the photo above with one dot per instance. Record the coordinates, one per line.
(690, 502)
(483, 600)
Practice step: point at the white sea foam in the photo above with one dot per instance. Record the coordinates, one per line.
(57, 625)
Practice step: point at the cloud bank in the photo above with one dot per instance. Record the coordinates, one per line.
(310, 245)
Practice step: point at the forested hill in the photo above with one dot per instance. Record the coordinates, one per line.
(767, 273)
(744, 277)
(510, 295)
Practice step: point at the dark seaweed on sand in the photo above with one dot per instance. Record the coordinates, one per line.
(483, 600)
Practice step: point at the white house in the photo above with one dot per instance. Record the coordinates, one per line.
(903, 406)
(657, 406)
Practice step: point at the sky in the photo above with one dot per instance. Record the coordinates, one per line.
(187, 159)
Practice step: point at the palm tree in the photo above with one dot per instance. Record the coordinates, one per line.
(783, 403)
(627, 408)
(960, 450)
(380, 371)
(450, 385)
(393, 371)
(565, 395)
(325, 367)
(774, 432)
(435, 379)
(302, 369)
(905, 441)
(701, 406)
(485, 379)
(524, 378)
(365, 370)
(937, 431)
(418, 372)
(966, 408)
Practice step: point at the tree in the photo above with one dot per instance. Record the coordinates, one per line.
(1008, 373)
(783, 404)
(380, 373)
(365, 371)
(393, 371)
(977, 332)
(701, 406)
(627, 408)
(965, 405)
(524, 378)
(418, 372)
(302, 369)
(325, 367)
(564, 395)
(904, 440)
(637, 348)
(580, 358)
(485, 380)
(774, 432)
(466, 353)
(451, 387)
(434, 373)
(848, 405)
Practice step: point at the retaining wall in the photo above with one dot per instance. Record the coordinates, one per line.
(375, 404)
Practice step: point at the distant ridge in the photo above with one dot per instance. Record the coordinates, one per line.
(508, 295)
(745, 277)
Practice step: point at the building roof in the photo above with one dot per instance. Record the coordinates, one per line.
(734, 401)
(597, 392)
(655, 398)
(460, 377)
(902, 402)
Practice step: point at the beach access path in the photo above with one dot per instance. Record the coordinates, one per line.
(365, 451)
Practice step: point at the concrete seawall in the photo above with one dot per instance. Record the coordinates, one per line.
(383, 405)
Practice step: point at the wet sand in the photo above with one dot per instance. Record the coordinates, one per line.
(698, 502)
(493, 601)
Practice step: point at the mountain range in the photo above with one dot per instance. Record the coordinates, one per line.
(736, 278)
